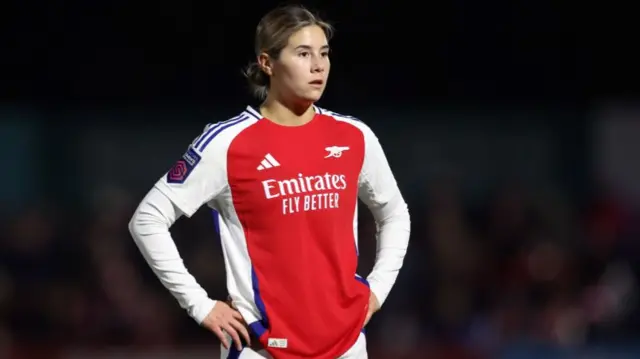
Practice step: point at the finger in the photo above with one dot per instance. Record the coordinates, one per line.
(236, 314)
(220, 334)
(242, 330)
(234, 335)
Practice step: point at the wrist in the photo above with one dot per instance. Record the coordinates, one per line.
(201, 310)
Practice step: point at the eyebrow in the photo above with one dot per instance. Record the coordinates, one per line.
(307, 47)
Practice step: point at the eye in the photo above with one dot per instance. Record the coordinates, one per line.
(304, 54)
(325, 54)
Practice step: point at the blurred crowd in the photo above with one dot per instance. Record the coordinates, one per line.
(513, 265)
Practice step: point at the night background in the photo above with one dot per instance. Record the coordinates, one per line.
(517, 158)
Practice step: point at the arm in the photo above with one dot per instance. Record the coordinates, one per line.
(197, 178)
(150, 230)
(379, 191)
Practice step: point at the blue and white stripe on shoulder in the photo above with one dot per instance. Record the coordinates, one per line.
(253, 113)
(213, 130)
(323, 111)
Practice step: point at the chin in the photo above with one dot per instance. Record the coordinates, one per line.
(312, 96)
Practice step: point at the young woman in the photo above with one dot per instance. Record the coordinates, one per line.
(284, 180)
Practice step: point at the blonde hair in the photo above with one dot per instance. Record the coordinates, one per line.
(272, 35)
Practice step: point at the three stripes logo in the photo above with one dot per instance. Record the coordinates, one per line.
(215, 129)
(268, 162)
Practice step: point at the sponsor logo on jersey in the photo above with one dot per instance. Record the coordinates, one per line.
(306, 193)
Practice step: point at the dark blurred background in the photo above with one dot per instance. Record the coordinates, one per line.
(508, 145)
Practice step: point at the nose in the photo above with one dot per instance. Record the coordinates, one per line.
(317, 67)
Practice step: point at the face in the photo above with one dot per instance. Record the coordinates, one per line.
(302, 70)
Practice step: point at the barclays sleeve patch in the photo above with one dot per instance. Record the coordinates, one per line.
(183, 167)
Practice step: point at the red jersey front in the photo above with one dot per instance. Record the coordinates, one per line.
(287, 199)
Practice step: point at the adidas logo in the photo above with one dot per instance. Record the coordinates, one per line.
(281, 343)
(268, 162)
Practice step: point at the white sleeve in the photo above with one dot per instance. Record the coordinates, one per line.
(150, 230)
(196, 178)
(379, 191)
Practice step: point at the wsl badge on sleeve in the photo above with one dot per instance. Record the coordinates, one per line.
(183, 167)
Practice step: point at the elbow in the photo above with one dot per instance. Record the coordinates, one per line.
(400, 210)
(400, 217)
(403, 209)
(154, 215)
(397, 216)
(405, 217)
(134, 225)
(406, 212)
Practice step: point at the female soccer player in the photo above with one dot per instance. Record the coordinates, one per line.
(284, 180)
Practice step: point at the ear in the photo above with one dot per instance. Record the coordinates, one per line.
(265, 63)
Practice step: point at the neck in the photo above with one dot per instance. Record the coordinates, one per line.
(287, 113)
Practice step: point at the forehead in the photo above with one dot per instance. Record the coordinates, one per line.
(312, 36)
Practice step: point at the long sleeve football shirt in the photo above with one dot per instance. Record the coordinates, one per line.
(286, 203)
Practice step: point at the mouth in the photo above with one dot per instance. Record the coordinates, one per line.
(316, 83)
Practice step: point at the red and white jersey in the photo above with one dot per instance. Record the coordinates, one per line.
(286, 201)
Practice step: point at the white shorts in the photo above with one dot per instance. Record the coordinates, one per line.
(357, 351)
